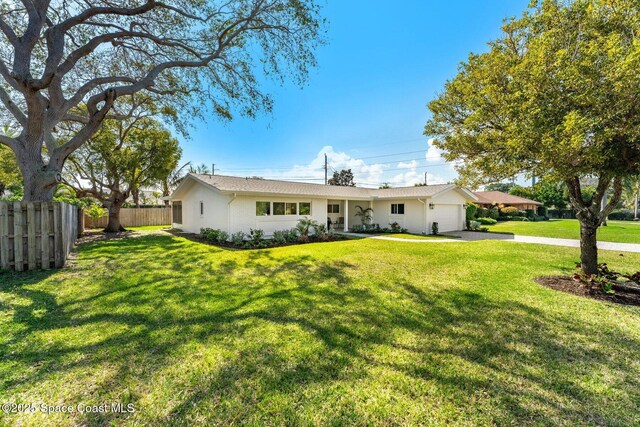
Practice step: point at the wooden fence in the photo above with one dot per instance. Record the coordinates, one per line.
(36, 235)
(134, 217)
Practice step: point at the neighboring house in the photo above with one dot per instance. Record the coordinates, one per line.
(490, 198)
(237, 204)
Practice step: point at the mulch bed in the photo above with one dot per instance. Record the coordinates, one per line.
(570, 285)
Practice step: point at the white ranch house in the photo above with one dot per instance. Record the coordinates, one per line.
(237, 204)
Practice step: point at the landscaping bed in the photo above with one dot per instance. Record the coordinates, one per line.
(607, 285)
(569, 285)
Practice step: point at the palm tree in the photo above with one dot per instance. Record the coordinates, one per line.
(201, 169)
(364, 214)
(173, 179)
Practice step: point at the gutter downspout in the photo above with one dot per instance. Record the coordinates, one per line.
(424, 217)
(229, 213)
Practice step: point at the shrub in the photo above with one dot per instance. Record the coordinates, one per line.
(530, 213)
(486, 221)
(621, 214)
(223, 236)
(472, 208)
(482, 212)
(256, 236)
(474, 225)
(513, 218)
(280, 237)
(209, 234)
(320, 232)
(305, 225)
(542, 210)
(483, 229)
(292, 235)
(509, 211)
(95, 212)
(358, 228)
(395, 227)
(493, 212)
(434, 228)
(238, 238)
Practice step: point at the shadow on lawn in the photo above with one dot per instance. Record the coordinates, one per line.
(287, 322)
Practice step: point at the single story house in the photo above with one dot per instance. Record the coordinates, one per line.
(236, 204)
(490, 198)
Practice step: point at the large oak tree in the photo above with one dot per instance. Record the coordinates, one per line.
(122, 157)
(556, 97)
(65, 64)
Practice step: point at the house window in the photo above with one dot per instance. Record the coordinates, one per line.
(285, 208)
(176, 210)
(397, 208)
(290, 208)
(305, 208)
(263, 208)
(201, 208)
(333, 208)
(278, 208)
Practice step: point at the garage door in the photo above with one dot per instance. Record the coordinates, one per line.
(447, 217)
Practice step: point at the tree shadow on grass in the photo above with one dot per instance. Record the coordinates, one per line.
(281, 326)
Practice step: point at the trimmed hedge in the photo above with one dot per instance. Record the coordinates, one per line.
(486, 221)
(622, 215)
(513, 218)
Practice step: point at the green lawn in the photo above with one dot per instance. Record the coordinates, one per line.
(416, 236)
(616, 231)
(355, 332)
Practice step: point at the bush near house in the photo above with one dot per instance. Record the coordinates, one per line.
(513, 218)
(486, 221)
(307, 231)
(622, 215)
(482, 212)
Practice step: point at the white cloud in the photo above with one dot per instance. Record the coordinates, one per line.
(434, 154)
(368, 175)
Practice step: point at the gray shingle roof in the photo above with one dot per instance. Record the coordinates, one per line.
(234, 184)
(498, 197)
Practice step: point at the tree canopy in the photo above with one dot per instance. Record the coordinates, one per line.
(344, 178)
(121, 157)
(66, 66)
(554, 97)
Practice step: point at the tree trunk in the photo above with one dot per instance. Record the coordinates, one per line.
(135, 194)
(116, 202)
(588, 247)
(40, 180)
(635, 209)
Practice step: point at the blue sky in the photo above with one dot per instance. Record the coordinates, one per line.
(365, 104)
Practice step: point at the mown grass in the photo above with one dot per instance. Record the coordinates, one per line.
(356, 332)
(616, 231)
(416, 236)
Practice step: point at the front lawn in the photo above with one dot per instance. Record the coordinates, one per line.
(616, 231)
(356, 332)
(417, 236)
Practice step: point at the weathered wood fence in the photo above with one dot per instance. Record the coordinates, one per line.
(36, 235)
(134, 217)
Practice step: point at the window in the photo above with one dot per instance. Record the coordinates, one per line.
(285, 208)
(305, 208)
(333, 208)
(263, 208)
(176, 210)
(290, 208)
(201, 208)
(278, 208)
(397, 208)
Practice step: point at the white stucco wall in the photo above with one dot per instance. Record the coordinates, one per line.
(243, 214)
(412, 220)
(215, 209)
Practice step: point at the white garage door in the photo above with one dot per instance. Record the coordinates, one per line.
(447, 217)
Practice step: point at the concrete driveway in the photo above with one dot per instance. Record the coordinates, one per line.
(470, 236)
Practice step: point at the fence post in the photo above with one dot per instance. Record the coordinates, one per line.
(18, 244)
(4, 236)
